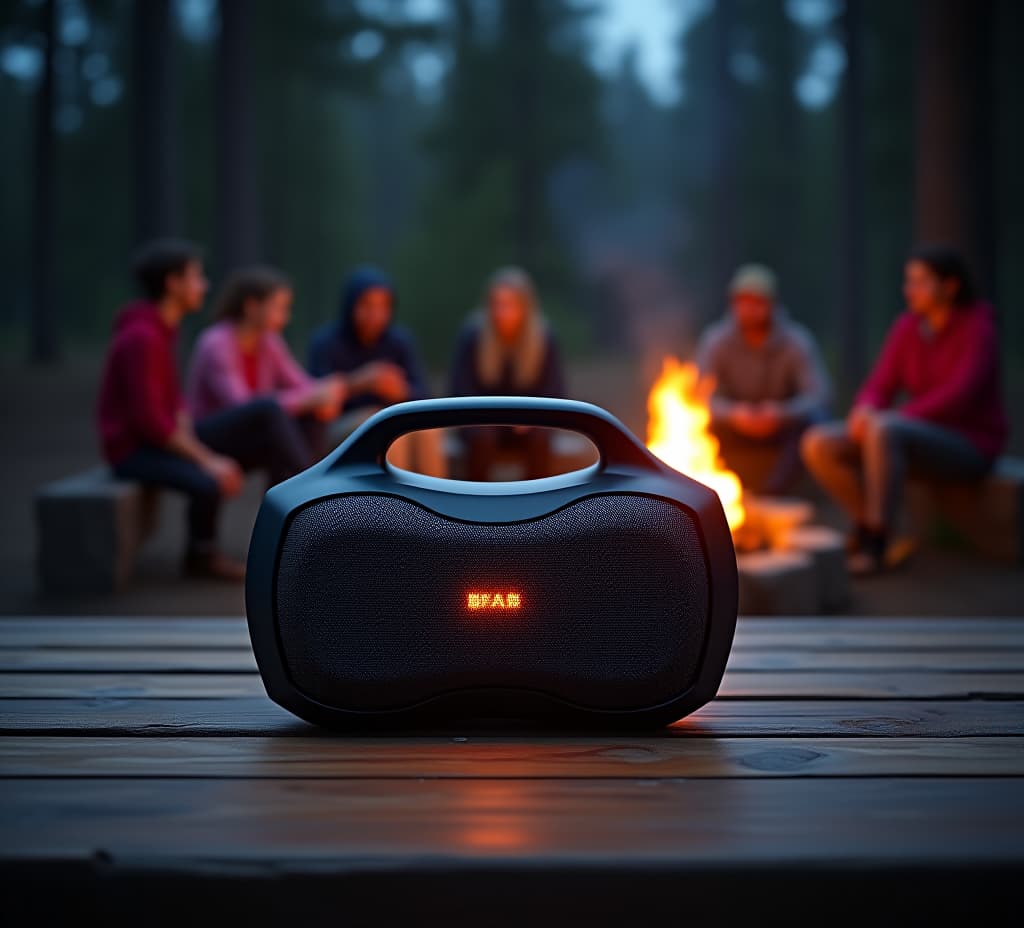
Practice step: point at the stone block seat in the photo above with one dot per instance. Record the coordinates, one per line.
(89, 528)
(988, 515)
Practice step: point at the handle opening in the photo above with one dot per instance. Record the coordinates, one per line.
(615, 446)
(492, 453)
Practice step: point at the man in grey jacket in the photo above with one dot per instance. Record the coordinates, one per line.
(770, 383)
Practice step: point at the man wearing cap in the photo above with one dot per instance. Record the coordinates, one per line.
(769, 382)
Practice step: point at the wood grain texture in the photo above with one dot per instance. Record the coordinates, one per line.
(621, 824)
(857, 758)
(752, 633)
(237, 660)
(257, 715)
(736, 685)
(482, 757)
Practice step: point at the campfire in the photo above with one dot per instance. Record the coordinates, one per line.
(677, 432)
(786, 565)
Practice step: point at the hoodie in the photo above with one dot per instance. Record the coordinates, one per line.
(786, 369)
(217, 377)
(950, 378)
(139, 398)
(334, 348)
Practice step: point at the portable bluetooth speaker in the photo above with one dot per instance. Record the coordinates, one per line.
(604, 596)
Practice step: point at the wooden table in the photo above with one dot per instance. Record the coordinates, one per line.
(870, 766)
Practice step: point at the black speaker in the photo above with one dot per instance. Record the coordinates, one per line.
(381, 597)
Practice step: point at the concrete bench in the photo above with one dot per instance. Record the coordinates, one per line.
(89, 528)
(988, 515)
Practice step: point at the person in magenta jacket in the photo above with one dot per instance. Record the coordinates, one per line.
(243, 356)
(145, 430)
(932, 406)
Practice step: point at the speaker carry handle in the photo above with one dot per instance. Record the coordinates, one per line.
(615, 444)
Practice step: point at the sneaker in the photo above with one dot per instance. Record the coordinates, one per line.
(866, 553)
(213, 566)
(877, 556)
(899, 551)
(864, 563)
(857, 539)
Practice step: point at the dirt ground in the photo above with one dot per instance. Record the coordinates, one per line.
(48, 433)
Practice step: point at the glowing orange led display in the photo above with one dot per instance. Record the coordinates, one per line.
(494, 600)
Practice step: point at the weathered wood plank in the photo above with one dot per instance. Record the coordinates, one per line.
(257, 715)
(132, 660)
(766, 633)
(736, 685)
(190, 660)
(826, 822)
(150, 631)
(154, 686)
(961, 659)
(482, 757)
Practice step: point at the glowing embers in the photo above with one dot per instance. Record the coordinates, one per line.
(494, 601)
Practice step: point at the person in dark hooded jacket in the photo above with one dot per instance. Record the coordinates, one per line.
(379, 362)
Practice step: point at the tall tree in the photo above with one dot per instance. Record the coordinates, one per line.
(725, 217)
(524, 28)
(239, 227)
(1009, 148)
(849, 330)
(520, 101)
(954, 163)
(44, 342)
(772, 147)
(158, 191)
(338, 124)
(890, 36)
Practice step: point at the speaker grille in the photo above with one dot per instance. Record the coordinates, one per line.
(372, 595)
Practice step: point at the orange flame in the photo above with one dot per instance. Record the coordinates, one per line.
(677, 432)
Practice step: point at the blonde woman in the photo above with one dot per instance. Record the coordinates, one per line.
(507, 348)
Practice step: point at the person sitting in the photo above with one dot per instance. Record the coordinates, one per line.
(380, 364)
(243, 356)
(769, 383)
(507, 349)
(943, 355)
(146, 433)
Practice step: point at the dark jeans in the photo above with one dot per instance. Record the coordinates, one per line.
(483, 444)
(867, 477)
(258, 435)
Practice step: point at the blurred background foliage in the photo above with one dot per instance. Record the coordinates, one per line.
(440, 139)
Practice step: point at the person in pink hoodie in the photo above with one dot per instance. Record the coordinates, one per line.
(145, 430)
(243, 356)
(931, 407)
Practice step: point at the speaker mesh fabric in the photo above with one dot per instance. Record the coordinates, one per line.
(371, 602)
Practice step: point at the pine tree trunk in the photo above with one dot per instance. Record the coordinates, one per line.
(158, 191)
(239, 232)
(527, 33)
(954, 163)
(850, 329)
(788, 155)
(44, 343)
(725, 204)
